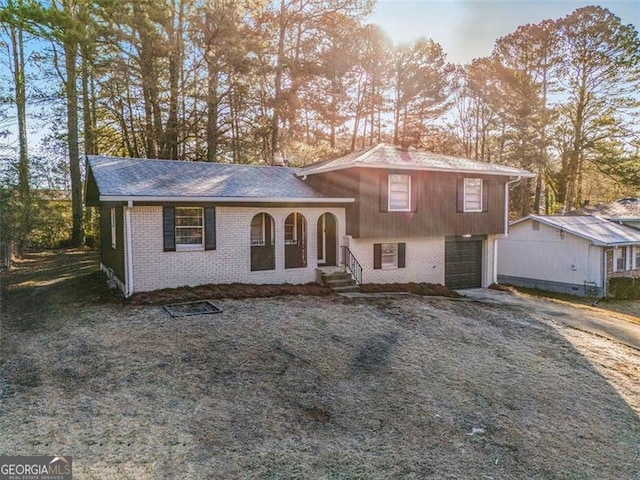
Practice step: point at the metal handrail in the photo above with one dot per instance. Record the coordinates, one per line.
(352, 264)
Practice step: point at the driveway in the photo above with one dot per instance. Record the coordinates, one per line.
(589, 319)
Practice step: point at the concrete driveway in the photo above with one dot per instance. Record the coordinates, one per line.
(589, 319)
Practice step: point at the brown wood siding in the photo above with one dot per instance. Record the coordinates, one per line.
(341, 184)
(109, 256)
(436, 196)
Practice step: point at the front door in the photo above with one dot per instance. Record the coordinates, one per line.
(327, 239)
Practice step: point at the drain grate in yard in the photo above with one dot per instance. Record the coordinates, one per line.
(201, 307)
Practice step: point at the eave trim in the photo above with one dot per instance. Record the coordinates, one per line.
(517, 173)
(142, 198)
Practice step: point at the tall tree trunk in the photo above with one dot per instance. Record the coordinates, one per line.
(212, 111)
(70, 57)
(87, 110)
(277, 99)
(17, 45)
(170, 137)
(19, 82)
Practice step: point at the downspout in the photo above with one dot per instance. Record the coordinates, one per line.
(506, 227)
(605, 287)
(129, 247)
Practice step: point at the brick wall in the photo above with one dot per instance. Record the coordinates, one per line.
(424, 260)
(632, 271)
(155, 269)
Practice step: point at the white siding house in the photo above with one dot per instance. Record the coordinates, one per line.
(568, 254)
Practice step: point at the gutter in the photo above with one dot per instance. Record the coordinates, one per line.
(311, 171)
(506, 226)
(129, 250)
(142, 198)
(605, 287)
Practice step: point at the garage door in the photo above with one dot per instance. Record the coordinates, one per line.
(463, 263)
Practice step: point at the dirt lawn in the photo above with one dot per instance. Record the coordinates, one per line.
(306, 386)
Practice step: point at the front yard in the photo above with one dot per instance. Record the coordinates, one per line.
(306, 386)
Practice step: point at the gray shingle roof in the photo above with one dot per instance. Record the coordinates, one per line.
(146, 179)
(627, 208)
(384, 155)
(600, 231)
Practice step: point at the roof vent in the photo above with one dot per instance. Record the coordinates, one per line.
(404, 146)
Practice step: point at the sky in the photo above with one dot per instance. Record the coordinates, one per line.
(468, 29)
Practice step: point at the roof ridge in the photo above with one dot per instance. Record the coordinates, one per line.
(371, 150)
(190, 162)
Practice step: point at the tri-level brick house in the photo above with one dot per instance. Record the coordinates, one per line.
(388, 214)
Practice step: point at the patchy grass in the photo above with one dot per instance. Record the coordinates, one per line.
(308, 387)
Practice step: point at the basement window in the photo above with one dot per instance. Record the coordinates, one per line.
(389, 256)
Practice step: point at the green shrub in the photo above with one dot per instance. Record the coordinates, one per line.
(625, 288)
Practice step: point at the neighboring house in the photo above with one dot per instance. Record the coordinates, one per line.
(624, 210)
(575, 254)
(405, 216)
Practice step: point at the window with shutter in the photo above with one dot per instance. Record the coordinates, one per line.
(389, 256)
(399, 193)
(472, 195)
(189, 228)
(189, 224)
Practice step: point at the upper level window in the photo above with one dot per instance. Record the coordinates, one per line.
(472, 194)
(189, 228)
(399, 193)
(113, 227)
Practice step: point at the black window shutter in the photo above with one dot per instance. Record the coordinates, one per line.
(485, 197)
(402, 255)
(384, 192)
(415, 184)
(169, 228)
(210, 228)
(377, 256)
(460, 198)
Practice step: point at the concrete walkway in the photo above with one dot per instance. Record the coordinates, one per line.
(589, 319)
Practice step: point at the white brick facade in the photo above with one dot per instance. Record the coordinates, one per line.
(424, 260)
(154, 269)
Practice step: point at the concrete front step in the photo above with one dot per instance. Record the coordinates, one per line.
(346, 289)
(339, 281)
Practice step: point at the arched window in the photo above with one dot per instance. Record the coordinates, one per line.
(263, 248)
(295, 241)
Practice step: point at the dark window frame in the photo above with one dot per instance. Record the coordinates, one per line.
(169, 230)
(401, 256)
